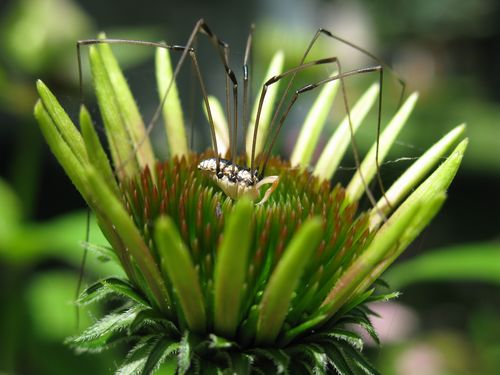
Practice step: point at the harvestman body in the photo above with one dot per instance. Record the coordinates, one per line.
(236, 181)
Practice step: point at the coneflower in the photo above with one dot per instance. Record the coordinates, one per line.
(220, 284)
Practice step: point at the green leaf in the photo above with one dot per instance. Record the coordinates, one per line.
(278, 357)
(241, 362)
(383, 244)
(177, 265)
(97, 155)
(358, 317)
(357, 361)
(320, 360)
(275, 68)
(431, 195)
(336, 360)
(368, 167)
(334, 150)
(355, 301)
(413, 175)
(154, 321)
(475, 262)
(313, 357)
(231, 267)
(313, 125)
(107, 331)
(284, 279)
(163, 349)
(148, 354)
(185, 354)
(112, 285)
(338, 334)
(172, 109)
(103, 253)
(137, 357)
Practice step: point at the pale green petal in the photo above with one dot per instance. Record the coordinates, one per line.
(129, 115)
(119, 139)
(431, 190)
(334, 150)
(368, 167)
(384, 242)
(220, 124)
(279, 290)
(313, 125)
(110, 209)
(275, 68)
(63, 151)
(97, 155)
(177, 264)
(172, 109)
(413, 175)
(60, 119)
(231, 267)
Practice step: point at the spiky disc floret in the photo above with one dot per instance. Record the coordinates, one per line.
(201, 211)
(221, 286)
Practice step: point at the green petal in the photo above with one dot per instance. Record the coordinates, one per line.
(413, 175)
(110, 210)
(313, 125)
(64, 153)
(177, 264)
(220, 124)
(430, 196)
(283, 281)
(172, 109)
(97, 155)
(383, 243)
(368, 167)
(275, 68)
(130, 148)
(60, 119)
(231, 268)
(130, 114)
(333, 152)
(435, 185)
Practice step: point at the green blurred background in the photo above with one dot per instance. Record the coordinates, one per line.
(448, 318)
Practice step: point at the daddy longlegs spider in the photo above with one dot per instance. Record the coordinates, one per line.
(233, 179)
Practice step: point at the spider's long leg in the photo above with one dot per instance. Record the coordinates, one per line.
(312, 86)
(223, 50)
(185, 51)
(246, 78)
(380, 63)
(200, 27)
(108, 41)
(272, 81)
(383, 65)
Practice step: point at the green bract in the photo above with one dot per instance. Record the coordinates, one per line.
(217, 285)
